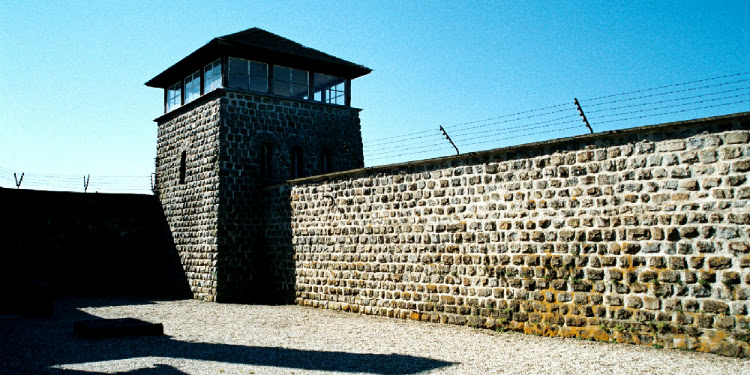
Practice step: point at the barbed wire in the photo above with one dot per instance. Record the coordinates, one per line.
(671, 106)
(411, 151)
(511, 114)
(388, 139)
(535, 124)
(532, 125)
(454, 127)
(435, 138)
(82, 183)
(663, 101)
(494, 140)
(667, 86)
(678, 111)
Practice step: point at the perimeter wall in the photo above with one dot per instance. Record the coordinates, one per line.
(86, 244)
(639, 236)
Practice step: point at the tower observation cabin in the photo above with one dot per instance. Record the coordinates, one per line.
(261, 62)
(245, 111)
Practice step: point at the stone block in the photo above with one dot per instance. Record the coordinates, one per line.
(714, 307)
(719, 263)
(633, 302)
(736, 137)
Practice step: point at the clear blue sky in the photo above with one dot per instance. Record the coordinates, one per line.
(73, 100)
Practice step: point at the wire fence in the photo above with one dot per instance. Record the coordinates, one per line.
(675, 102)
(680, 101)
(82, 183)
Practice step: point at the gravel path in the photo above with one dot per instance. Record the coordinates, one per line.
(210, 338)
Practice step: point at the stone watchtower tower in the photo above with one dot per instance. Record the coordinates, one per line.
(245, 110)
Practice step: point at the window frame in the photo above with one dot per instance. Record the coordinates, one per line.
(298, 162)
(266, 156)
(249, 77)
(168, 99)
(285, 86)
(325, 162)
(183, 168)
(216, 80)
(322, 89)
(192, 81)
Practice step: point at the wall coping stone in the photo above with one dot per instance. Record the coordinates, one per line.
(739, 117)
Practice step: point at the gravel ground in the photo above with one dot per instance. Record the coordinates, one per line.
(210, 338)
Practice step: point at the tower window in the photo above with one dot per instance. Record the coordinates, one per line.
(290, 82)
(183, 167)
(298, 163)
(192, 87)
(329, 89)
(247, 75)
(325, 162)
(212, 76)
(265, 161)
(174, 96)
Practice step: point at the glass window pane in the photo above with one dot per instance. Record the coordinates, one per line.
(259, 84)
(174, 96)
(237, 81)
(281, 88)
(299, 77)
(329, 89)
(321, 80)
(258, 69)
(281, 81)
(192, 87)
(299, 91)
(281, 73)
(212, 76)
(238, 66)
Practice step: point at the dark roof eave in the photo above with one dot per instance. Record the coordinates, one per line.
(187, 63)
(217, 48)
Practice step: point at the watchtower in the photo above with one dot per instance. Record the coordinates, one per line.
(245, 110)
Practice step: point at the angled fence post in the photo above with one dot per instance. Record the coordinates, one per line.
(580, 112)
(86, 183)
(18, 181)
(449, 139)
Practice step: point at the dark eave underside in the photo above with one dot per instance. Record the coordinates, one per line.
(259, 45)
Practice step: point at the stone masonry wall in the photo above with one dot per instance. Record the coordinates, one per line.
(638, 236)
(213, 214)
(191, 208)
(250, 121)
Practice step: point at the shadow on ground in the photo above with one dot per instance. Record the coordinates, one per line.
(39, 345)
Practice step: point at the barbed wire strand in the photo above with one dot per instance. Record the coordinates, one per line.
(664, 93)
(443, 142)
(433, 133)
(508, 115)
(66, 182)
(447, 149)
(667, 100)
(401, 136)
(669, 106)
(667, 86)
(525, 135)
(485, 141)
(462, 140)
(673, 112)
(453, 127)
(520, 127)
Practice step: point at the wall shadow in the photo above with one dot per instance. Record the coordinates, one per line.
(89, 244)
(40, 345)
(275, 265)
